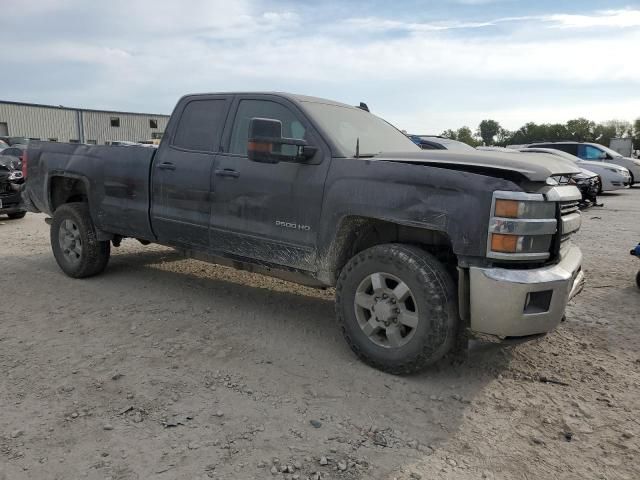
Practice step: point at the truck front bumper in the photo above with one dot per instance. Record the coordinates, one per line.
(514, 303)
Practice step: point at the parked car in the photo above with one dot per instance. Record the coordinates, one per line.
(588, 182)
(15, 140)
(612, 176)
(594, 152)
(11, 181)
(435, 142)
(590, 185)
(17, 151)
(421, 246)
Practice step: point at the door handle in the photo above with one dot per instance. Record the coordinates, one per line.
(167, 166)
(227, 172)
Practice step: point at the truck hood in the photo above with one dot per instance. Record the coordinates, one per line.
(522, 163)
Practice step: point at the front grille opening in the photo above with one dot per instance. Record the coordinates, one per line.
(538, 302)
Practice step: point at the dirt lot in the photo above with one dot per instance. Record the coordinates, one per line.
(174, 369)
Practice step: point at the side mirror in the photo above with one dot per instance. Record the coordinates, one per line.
(604, 156)
(267, 145)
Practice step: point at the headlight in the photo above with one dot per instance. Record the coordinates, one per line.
(523, 208)
(521, 227)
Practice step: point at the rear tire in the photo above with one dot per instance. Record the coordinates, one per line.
(17, 216)
(397, 308)
(74, 242)
(638, 279)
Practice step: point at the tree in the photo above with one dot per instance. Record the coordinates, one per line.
(581, 129)
(504, 137)
(452, 134)
(603, 133)
(487, 130)
(464, 134)
(622, 128)
(636, 134)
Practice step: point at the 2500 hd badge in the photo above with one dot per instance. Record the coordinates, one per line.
(295, 226)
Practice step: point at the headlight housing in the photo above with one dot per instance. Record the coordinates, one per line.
(521, 227)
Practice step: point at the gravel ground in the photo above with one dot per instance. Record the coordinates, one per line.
(175, 369)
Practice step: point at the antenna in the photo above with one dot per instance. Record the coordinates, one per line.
(358, 147)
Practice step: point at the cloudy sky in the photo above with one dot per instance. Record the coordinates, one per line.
(423, 65)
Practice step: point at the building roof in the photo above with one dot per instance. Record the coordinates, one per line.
(62, 107)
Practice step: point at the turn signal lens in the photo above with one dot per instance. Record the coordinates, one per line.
(507, 208)
(504, 243)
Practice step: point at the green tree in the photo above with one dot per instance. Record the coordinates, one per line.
(622, 128)
(603, 133)
(464, 134)
(488, 130)
(504, 137)
(581, 129)
(636, 134)
(452, 134)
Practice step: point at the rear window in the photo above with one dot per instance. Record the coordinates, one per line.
(200, 125)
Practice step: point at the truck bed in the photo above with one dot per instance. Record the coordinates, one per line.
(116, 179)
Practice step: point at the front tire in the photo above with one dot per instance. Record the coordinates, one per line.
(17, 216)
(397, 308)
(74, 242)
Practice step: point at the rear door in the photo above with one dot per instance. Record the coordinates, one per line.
(181, 171)
(268, 212)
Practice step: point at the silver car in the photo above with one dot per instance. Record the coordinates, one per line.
(596, 153)
(613, 177)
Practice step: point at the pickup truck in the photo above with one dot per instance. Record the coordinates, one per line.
(423, 247)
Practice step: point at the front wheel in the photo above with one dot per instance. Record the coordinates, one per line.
(74, 242)
(638, 279)
(397, 308)
(17, 216)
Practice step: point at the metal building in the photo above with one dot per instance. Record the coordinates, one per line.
(77, 125)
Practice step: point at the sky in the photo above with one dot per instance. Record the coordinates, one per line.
(425, 66)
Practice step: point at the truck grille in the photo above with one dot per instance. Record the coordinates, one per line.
(569, 207)
(569, 219)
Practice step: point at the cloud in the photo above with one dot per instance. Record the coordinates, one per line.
(95, 56)
(606, 19)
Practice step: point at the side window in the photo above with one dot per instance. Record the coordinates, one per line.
(587, 152)
(571, 148)
(248, 109)
(200, 125)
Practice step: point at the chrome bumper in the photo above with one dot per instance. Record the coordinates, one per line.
(514, 303)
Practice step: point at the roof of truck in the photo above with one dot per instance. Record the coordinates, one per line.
(291, 96)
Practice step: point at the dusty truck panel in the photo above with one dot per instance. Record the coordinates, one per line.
(455, 203)
(113, 180)
(422, 246)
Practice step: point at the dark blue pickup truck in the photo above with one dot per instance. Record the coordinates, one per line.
(422, 246)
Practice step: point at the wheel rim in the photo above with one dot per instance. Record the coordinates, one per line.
(386, 310)
(70, 241)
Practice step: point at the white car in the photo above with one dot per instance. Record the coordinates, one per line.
(612, 176)
(596, 153)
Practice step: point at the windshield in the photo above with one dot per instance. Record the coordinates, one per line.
(613, 153)
(558, 153)
(346, 126)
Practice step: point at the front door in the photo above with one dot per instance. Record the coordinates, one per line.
(181, 171)
(268, 212)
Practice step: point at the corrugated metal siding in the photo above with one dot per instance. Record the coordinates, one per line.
(46, 122)
(133, 127)
(39, 122)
